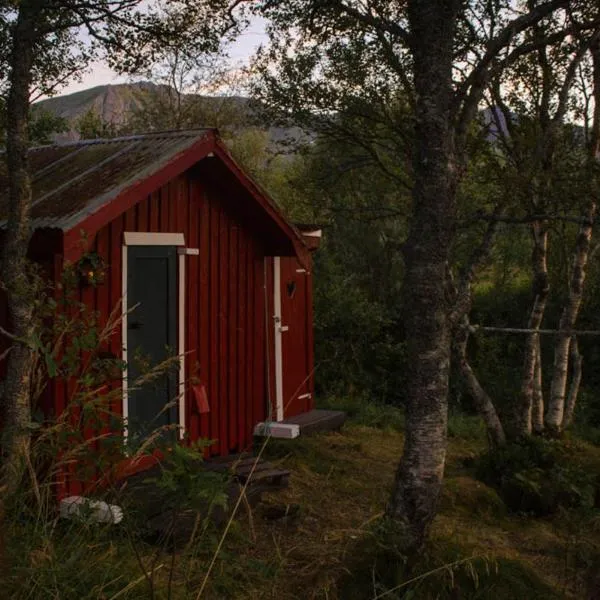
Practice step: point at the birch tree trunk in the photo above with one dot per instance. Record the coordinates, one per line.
(541, 289)
(483, 403)
(594, 156)
(556, 404)
(15, 279)
(537, 409)
(419, 476)
(577, 367)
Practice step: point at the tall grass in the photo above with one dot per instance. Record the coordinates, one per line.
(45, 556)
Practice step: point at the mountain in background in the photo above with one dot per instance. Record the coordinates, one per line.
(123, 107)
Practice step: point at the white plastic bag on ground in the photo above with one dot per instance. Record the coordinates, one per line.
(95, 510)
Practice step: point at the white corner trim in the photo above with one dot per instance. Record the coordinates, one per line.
(125, 403)
(316, 233)
(181, 344)
(278, 331)
(139, 238)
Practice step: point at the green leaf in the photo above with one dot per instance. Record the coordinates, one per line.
(50, 364)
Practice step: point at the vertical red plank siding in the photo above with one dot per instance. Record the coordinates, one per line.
(182, 208)
(191, 204)
(204, 336)
(250, 335)
(232, 315)
(259, 346)
(310, 350)
(143, 217)
(223, 314)
(240, 342)
(173, 193)
(104, 309)
(130, 220)
(154, 212)
(213, 323)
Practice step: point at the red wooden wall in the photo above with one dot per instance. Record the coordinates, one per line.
(297, 341)
(297, 347)
(225, 310)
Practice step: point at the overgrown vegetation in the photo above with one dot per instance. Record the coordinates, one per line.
(325, 537)
(542, 477)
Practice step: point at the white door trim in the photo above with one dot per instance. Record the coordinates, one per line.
(142, 238)
(155, 239)
(181, 345)
(278, 330)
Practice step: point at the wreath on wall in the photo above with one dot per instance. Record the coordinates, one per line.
(91, 269)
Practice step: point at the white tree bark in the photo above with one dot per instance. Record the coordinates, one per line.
(556, 404)
(576, 365)
(541, 288)
(537, 408)
(483, 403)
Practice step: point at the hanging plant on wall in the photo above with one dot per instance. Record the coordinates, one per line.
(91, 269)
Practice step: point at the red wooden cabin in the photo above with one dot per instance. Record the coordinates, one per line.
(216, 269)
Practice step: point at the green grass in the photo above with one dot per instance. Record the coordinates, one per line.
(337, 546)
(362, 411)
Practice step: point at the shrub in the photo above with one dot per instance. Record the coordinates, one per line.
(539, 476)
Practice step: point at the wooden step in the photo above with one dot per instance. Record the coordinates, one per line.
(317, 420)
(248, 467)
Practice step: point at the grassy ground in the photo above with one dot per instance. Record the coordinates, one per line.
(332, 545)
(341, 482)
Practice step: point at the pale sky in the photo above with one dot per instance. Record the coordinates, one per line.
(239, 52)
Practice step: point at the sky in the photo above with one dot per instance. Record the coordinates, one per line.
(239, 52)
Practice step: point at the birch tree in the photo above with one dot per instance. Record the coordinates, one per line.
(553, 182)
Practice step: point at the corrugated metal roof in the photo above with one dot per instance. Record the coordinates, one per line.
(72, 180)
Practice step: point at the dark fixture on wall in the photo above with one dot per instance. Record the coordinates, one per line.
(91, 269)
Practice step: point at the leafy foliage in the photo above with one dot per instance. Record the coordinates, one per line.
(92, 126)
(540, 476)
(43, 125)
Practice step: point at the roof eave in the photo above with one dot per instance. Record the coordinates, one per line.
(262, 197)
(86, 224)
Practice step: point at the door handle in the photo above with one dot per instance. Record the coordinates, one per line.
(283, 328)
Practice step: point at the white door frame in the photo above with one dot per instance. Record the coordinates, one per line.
(156, 239)
(278, 331)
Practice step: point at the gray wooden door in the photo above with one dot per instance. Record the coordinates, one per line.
(151, 337)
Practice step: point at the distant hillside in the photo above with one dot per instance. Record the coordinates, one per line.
(113, 103)
(117, 104)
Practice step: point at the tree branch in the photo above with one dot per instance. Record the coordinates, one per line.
(469, 92)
